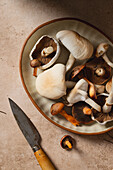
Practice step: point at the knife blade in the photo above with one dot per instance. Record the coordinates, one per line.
(32, 136)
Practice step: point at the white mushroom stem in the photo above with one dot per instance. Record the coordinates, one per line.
(70, 84)
(93, 104)
(70, 62)
(109, 101)
(107, 60)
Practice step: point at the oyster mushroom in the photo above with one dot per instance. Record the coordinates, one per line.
(44, 53)
(101, 117)
(109, 101)
(51, 83)
(79, 93)
(58, 108)
(101, 51)
(79, 47)
(81, 111)
(97, 71)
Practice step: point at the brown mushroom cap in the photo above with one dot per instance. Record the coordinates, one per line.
(78, 114)
(92, 66)
(56, 108)
(100, 116)
(64, 143)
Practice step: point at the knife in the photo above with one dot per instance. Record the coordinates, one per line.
(32, 136)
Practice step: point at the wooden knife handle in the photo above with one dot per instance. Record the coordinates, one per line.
(43, 160)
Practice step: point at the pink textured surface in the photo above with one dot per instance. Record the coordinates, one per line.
(17, 20)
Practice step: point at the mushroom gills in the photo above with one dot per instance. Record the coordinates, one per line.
(45, 52)
(97, 71)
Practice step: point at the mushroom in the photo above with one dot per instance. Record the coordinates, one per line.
(102, 117)
(79, 47)
(51, 83)
(109, 100)
(79, 93)
(66, 142)
(44, 53)
(78, 73)
(97, 71)
(81, 111)
(101, 51)
(108, 86)
(58, 108)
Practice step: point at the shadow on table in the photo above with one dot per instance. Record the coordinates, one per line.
(98, 13)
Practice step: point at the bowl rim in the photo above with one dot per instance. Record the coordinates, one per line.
(22, 79)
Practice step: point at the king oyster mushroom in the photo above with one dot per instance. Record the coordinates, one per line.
(44, 53)
(51, 83)
(79, 93)
(101, 51)
(79, 47)
(97, 71)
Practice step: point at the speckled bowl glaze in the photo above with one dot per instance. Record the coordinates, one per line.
(42, 104)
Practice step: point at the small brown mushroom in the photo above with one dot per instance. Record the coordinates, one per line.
(97, 71)
(81, 111)
(57, 108)
(66, 142)
(35, 63)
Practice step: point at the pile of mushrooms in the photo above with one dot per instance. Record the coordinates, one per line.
(88, 88)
